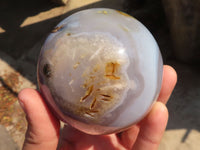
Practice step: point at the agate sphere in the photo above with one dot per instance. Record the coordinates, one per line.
(100, 70)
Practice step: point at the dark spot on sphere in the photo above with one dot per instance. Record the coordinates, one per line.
(57, 29)
(47, 70)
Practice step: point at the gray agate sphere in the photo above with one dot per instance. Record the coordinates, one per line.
(100, 70)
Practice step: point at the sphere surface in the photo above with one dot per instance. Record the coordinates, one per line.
(100, 70)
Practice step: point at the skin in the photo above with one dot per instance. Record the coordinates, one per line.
(43, 131)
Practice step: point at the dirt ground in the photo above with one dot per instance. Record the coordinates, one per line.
(24, 26)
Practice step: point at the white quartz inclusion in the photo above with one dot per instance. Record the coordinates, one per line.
(91, 76)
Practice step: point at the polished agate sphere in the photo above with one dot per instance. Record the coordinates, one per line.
(100, 70)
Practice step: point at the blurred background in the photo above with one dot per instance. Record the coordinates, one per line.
(24, 25)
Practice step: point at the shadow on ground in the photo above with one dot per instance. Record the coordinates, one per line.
(24, 43)
(15, 40)
(184, 103)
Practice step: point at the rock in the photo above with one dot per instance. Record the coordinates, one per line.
(11, 77)
(184, 20)
(12, 81)
(6, 142)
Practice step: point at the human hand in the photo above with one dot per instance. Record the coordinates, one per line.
(43, 131)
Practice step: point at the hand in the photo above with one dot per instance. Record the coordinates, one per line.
(43, 128)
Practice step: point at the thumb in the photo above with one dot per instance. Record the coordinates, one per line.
(43, 127)
(152, 128)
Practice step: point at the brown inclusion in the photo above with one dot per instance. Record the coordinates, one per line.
(47, 70)
(57, 29)
(111, 69)
(93, 103)
(88, 92)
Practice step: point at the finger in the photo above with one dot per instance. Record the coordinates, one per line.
(43, 127)
(152, 128)
(168, 83)
(129, 136)
(69, 136)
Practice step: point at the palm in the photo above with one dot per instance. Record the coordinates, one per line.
(77, 140)
(43, 127)
(144, 132)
